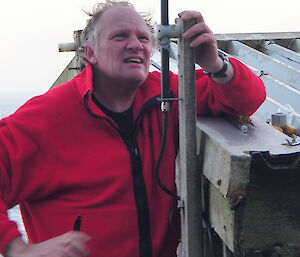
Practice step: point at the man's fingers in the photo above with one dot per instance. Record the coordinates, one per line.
(195, 30)
(76, 243)
(200, 33)
(187, 15)
(76, 235)
(70, 244)
(204, 38)
(79, 248)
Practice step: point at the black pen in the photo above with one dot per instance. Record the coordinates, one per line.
(77, 224)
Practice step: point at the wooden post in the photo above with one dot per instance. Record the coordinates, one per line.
(190, 177)
(75, 66)
(78, 51)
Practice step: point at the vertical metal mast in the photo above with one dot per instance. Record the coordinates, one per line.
(165, 82)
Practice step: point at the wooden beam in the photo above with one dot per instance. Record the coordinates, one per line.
(191, 216)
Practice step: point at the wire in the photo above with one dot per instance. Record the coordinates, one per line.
(209, 235)
(178, 236)
(161, 152)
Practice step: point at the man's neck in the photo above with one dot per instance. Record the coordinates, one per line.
(114, 102)
(117, 97)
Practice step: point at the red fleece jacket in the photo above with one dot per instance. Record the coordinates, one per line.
(61, 156)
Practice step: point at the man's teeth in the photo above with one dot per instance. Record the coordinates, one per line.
(134, 60)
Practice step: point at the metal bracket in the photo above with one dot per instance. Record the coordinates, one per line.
(74, 68)
(293, 141)
(74, 46)
(180, 205)
(163, 33)
(164, 43)
(169, 31)
(165, 103)
(165, 106)
(169, 99)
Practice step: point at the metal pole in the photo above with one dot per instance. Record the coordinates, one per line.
(191, 213)
(165, 81)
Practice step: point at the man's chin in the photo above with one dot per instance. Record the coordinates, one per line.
(136, 79)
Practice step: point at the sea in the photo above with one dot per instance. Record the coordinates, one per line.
(10, 101)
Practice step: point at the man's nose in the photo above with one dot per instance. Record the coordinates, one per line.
(135, 44)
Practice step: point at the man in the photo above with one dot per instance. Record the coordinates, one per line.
(89, 147)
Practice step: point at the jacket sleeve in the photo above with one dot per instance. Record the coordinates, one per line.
(18, 151)
(8, 229)
(242, 95)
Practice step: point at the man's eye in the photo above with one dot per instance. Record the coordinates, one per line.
(120, 35)
(144, 38)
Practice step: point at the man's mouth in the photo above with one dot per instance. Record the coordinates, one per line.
(133, 60)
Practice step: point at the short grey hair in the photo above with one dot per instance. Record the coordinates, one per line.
(89, 34)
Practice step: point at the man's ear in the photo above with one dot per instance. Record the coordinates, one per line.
(89, 53)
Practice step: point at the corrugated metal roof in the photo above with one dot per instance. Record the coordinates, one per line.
(275, 57)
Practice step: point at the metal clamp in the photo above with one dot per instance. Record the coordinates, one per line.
(169, 31)
(169, 99)
(163, 33)
(165, 106)
(180, 205)
(164, 43)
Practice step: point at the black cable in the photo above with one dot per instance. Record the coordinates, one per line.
(161, 152)
(178, 236)
(165, 93)
(209, 235)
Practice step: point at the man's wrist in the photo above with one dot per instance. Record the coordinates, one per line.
(222, 72)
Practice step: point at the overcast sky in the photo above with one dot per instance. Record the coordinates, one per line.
(31, 30)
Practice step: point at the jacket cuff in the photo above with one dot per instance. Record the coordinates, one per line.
(9, 229)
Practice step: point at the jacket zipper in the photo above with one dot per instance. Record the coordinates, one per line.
(139, 186)
(140, 195)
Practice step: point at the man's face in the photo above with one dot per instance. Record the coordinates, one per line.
(123, 47)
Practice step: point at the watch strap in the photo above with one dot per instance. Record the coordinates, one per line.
(221, 73)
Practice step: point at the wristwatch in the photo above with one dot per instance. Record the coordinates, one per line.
(222, 72)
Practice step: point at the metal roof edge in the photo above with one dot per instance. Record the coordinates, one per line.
(257, 36)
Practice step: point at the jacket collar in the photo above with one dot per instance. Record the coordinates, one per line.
(146, 95)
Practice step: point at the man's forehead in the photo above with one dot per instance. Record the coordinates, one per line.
(118, 25)
(121, 14)
(118, 18)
